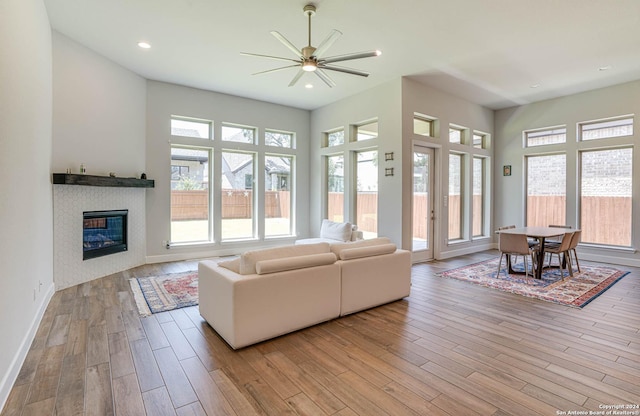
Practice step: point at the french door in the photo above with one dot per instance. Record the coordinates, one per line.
(423, 205)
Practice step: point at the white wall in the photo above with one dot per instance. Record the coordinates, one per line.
(383, 103)
(99, 112)
(165, 100)
(26, 255)
(446, 109)
(509, 196)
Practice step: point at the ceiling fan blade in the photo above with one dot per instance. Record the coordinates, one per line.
(275, 69)
(297, 77)
(268, 56)
(345, 70)
(327, 42)
(326, 78)
(349, 57)
(288, 44)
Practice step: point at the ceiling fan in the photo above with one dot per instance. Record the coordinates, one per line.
(310, 59)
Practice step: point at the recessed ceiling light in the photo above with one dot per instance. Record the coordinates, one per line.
(144, 45)
(605, 68)
(308, 86)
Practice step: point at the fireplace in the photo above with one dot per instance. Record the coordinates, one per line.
(103, 233)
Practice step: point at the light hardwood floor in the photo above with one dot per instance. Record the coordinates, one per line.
(451, 348)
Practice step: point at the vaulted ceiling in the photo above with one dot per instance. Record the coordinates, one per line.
(497, 53)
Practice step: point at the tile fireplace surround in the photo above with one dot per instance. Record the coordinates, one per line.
(69, 202)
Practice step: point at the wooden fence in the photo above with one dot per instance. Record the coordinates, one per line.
(605, 220)
(194, 205)
(366, 209)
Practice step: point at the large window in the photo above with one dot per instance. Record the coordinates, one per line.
(455, 202)
(546, 190)
(606, 196)
(237, 195)
(335, 188)
(367, 192)
(251, 180)
(190, 218)
(278, 195)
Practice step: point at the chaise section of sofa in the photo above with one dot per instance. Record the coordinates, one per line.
(372, 273)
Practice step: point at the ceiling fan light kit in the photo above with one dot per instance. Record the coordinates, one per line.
(310, 59)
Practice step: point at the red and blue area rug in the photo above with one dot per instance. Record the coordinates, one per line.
(576, 291)
(163, 293)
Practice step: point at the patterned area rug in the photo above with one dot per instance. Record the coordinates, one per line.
(576, 291)
(163, 293)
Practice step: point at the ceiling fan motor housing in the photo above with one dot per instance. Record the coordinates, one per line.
(308, 51)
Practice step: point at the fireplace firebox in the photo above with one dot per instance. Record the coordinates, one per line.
(103, 233)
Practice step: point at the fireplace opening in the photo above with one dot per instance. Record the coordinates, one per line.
(103, 233)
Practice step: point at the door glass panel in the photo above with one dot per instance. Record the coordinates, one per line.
(421, 201)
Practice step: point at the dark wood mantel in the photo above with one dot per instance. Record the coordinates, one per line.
(93, 180)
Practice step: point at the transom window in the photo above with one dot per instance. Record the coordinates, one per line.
(423, 126)
(455, 134)
(278, 139)
(606, 128)
(240, 134)
(545, 136)
(479, 140)
(334, 138)
(367, 131)
(187, 127)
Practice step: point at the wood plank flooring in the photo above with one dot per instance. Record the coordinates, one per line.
(450, 348)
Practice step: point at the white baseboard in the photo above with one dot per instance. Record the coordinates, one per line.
(18, 360)
(466, 250)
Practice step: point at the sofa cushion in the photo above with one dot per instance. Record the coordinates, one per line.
(233, 265)
(293, 263)
(340, 231)
(249, 259)
(336, 248)
(359, 252)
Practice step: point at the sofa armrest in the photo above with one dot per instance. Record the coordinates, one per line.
(358, 252)
(293, 263)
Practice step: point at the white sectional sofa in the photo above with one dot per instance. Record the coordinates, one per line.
(271, 292)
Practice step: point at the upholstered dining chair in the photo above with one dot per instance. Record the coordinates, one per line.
(557, 239)
(572, 247)
(562, 248)
(516, 245)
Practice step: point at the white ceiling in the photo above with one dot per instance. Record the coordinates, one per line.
(488, 51)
